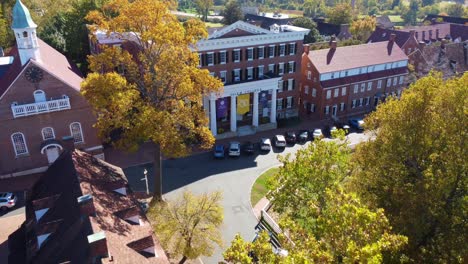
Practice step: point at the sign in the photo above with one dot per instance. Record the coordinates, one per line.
(221, 107)
(243, 104)
(263, 99)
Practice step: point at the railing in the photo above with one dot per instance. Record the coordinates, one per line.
(40, 107)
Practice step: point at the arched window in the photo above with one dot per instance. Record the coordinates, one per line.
(19, 143)
(39, 96)
(25, 34)
(76, 132)
(48, 133)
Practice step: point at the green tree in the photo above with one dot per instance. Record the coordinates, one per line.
(456, 10)
(416, 167)
(203, 8)
(340, 14)
(314, 8)
(158, 95)
(5, 35)
(361, 29)
(189, 225)
(232, 13)
(308, 23)
(410, 15)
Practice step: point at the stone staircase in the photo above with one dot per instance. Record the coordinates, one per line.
(245, 131)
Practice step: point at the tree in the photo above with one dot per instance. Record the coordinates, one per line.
(416, 167)
(232, 13)
(340, 14)
(456, 10)
(410, 15)
(5, 36)
(158, 96)
(189, 225)
(313, 8)
(305, 22)
(203, 8)
(361, 29)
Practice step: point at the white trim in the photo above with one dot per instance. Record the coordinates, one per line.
(52, 144)
(212, 58)
(250, 87)
(25, 172)
(239, 25)
(380, 78)
(94, 148)
(53, 133)
(81, 132)
(24, 142)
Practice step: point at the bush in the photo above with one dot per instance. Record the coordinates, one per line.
(220, 130)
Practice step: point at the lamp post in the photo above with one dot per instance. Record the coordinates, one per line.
(145, 172)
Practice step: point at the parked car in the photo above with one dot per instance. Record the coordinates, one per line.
(356, 123)
(218, 151)
(279, 141)
(7, 201)
(290, 137)
(317, 133)
(248, 147)
(234, 149)
(265, 144)
(303, 136)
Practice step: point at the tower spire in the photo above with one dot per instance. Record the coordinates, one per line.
(25, 33)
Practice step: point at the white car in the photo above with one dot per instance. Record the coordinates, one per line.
(317, 133)
(7, 201)
(280, 141)
(234, 149)
(265, 144)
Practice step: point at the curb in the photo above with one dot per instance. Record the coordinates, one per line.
(250, 191)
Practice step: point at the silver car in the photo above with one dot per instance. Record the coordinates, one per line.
(234, 149)
(265, 144)
(7, 201)
(280, 141)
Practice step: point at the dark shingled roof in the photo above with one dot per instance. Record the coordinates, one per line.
(448, 19)
(381, 34)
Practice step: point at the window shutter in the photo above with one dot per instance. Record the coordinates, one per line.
(227, 57)
(286, 67)
(203, 60)
(240, 55)
(255, 73)
(292, 102)
(215, 58)
(286, 49)
(295, 48)
(276, 68)
(232, 76)
(233, 56)
(294, 84)
(285, 85)
(294, 67)
(276, 50)
(265, 52)
(285, 103)
(245, 74)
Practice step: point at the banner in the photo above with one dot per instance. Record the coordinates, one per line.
(243, 104)
(263, 99)
(221, 107)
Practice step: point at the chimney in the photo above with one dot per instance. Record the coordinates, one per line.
(424, 35)
(392, 37)
(422, 45)
(306, 49)
(86, 205)
(412, 33)
(332, 38)
(98, 245)
(68, 143)
(333, 44)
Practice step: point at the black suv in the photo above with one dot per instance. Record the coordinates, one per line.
(290, 137)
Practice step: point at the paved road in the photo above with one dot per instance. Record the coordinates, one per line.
(233, 176)
(18, 209)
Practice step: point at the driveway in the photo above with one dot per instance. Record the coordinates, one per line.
(233, 176)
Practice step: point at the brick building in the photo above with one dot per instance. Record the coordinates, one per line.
(340, 82)
(40, 103)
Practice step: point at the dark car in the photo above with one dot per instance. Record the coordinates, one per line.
(218, 152)
(356, 123)
(248, 147)
(290, 137)
(303, 136)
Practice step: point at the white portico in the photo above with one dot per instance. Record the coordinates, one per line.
(233, 91)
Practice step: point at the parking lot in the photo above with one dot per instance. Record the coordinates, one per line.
(10, 220)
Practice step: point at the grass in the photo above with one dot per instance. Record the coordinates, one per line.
(396, 19)
(259, 189)
(211, 24)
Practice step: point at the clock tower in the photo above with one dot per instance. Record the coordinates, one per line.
(25, 33)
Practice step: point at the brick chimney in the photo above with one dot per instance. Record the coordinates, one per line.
(86, 205)
(412, 33)
(98, 245)
(306, 49)
(392, 37)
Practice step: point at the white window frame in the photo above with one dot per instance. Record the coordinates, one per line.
(306, 89)
(251, 51)
(292, 48)
(280, 86)
(237, 73)
(379, 84)
(343, 91)
(356, 88)
(328, 94)
(389, 82)
(249, 73)
(221, 61)
(212, 58)
(279, 104)
(282, 47)
(361, 100)
(24, 144)
(281, 68)
(261, 71)
(314, 92)
(73, 135)
(291, 67)
(262, 50)
(289, 102)
(336, 93)
(395, 81)
(312, 108)
(271, 48)
(401, 80)
(353, 104)
(50, 130)
(236, 52)
(39, 96)
(271, 67)
(223, 74)
(290, 84)
(342, 105)
(369, 86)
(327, 109)
(368, 100)
(309, 75)
(363, 87)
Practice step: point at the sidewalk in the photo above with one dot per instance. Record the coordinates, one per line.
(261, 205)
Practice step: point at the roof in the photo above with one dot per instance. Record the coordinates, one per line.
(51, 60)
(449, 19)
(429, 33)
(71, 176)
(349, 57)
(267, 21)
(382, 34)
(362, 77)
(21, 17)
(384, 21)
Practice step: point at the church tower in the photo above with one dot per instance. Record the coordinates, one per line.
(25, 33)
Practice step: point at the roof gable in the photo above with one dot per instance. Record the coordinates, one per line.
(239, 25)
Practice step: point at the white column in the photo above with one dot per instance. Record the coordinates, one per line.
(214, 129)
(233, 113)
(255, 110)
(273, 106)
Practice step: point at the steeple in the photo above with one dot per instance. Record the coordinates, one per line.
(25, 33)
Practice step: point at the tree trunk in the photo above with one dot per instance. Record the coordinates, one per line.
(184, 258)
(157, 173)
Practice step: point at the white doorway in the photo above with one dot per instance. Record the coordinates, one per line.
(52, 153)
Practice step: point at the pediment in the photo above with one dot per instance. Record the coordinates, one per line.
(238, 29)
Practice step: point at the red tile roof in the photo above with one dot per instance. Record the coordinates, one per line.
(343, 58)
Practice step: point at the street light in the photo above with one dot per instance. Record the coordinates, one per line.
(145, 172)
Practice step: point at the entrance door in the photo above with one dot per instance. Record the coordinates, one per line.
(334, 109)
(52, 153)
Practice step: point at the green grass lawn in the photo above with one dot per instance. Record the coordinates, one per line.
(210, 24)
(396, 19)
(259, 189)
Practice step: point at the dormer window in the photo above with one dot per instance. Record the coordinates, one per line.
(39, 96)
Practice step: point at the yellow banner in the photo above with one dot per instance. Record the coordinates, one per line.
(243, 104)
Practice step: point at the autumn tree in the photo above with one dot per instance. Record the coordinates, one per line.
(203, 8)
(5, 36)
(155, 93)
(189, 225)
(416, 168)
(232, 13)
(340, 14)
(361, 29)
(308, 23)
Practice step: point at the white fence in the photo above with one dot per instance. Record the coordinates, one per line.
(40, 107)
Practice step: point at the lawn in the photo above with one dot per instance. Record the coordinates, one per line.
(211, 24)
(259, 189)
(396, 19)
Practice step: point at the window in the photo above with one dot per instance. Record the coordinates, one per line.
(342, 106)
(369, 86)
(368, 100)
(279, 103)
(260, 51)
(363, 87)
(25, 34)
(309, 75)
(328, 94)
(282, 49)
(337, 92)
(312, 108)
(76, 132)
(289, 102)
(290, 84)
(395, 80)
(356, 87)
(222, 76)
(327, 109)
(260, 71)
(222, 57)
(389, 82)
(280, 85)
(236, 75)
(200, 59)
(292, 48)
(249, 73)
(365, 101)
(306, 89)
(291, 67)
(314, 92)
(379, 84)
(236, 55)
(212, 74)
(210, 58)
(48, 133)
(281, 68)
(271, 51)
(271, 68)
(353, 104)
(19, 143)
(360, 101)
(343, 91)
(401, 80)
(250, 54)
(409, 50)
(39, 96)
